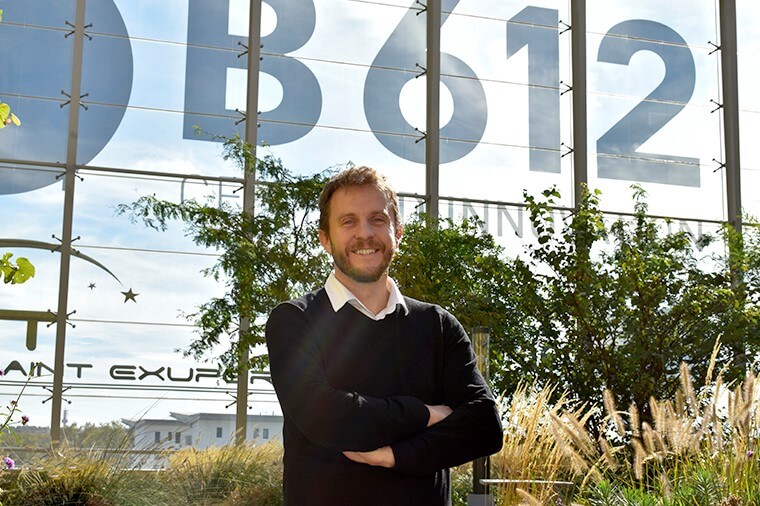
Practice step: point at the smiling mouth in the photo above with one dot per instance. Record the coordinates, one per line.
(365, 251)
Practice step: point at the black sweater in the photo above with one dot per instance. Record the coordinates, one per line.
(347, 382)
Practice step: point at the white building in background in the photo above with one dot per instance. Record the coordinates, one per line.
(199, 430)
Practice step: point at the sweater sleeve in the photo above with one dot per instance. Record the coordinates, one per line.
(332, 418)
(472, 430)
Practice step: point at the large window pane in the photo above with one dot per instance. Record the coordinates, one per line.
(694, 20)
(31, 219)
(42, 134)
(150, 139)
(748, 42)
(18, 362)
(652, 78)
(164, 20)
(327, 147)
(36, 74)
(123, 370)
(43, 13)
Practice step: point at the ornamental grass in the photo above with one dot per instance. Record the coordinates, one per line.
(229, 475)
(700, 448)
(80, 477)
(544, 442)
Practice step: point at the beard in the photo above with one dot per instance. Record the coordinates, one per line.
(366, 274)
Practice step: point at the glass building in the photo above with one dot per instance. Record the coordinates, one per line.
(464, 104)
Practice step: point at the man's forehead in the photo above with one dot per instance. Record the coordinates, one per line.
(365, 199)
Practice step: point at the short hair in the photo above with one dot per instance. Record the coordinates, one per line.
(357, 176)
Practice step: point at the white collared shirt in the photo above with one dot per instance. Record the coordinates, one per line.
(339, 296)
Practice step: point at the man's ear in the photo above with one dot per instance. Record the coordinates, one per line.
(324, 239)
(399, 233)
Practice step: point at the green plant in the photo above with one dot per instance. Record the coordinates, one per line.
(7, 117)
(83, 478)
(15, 273)
(240, 474)
(8, 414)
(9, 418)
(461, 484)
(544, 442)
(265, 257)
(617, 494)
(700, 448)
(621, 307)
(459, 266)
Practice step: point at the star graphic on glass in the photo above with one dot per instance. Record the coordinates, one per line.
(130, 295)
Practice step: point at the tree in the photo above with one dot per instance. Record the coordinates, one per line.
(265, 258)
(459, 266)
(106, 435)
(623, 316)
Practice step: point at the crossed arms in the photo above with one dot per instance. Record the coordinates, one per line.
(383, 457)
(399, 432)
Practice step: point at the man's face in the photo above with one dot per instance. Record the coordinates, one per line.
(362, 237)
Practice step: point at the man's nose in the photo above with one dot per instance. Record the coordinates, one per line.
(365, 229)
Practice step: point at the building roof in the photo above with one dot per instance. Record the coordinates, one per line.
(188, 419)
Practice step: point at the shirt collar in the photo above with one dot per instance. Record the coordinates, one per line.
(339, 296)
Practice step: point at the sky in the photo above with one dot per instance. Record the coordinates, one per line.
(135, 119)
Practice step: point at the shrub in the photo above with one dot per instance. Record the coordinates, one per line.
(231, 475)
(88, 478)
(541, 442)
(701, 447)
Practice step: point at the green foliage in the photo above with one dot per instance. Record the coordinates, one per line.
(461, 484)
(15, 273)
(106, 435)
(233, 475)
(698, 487)
(460, 267)
(744, 264)
(748, 261)
(7, 117)
(82, 478)
(10, 415)
(265, 257)
(616, 494)
(622, 316)
(88, 436)
(700, 449)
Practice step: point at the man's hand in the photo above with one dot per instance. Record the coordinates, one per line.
(382, 457)
(437, 413)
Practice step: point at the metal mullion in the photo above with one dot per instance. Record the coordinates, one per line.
(729, 73)
(433, 111)
(251, 133)
(75, 94)
(580, 114)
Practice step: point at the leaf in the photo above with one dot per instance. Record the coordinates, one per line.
(25, 270)
(5, 110)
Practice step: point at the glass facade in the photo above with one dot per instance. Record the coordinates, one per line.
(340, 81)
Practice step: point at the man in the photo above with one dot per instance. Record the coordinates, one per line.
(380, 393)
